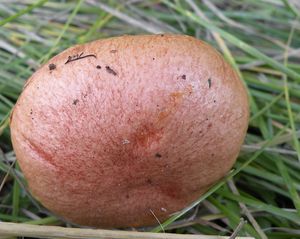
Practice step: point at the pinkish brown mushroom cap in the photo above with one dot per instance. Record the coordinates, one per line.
(111, 132)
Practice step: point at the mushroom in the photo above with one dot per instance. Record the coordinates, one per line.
(123, 131)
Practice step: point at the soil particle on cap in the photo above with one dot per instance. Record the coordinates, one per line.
(52, 67)
(98, 67)
(149, 181)
(182, 77)
(209, 82)
(158, 155)
(113, 51)
(110, 70)
(75, 102)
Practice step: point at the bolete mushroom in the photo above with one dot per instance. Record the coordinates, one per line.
(113, 132)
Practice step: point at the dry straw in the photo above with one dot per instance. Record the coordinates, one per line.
(25, 230)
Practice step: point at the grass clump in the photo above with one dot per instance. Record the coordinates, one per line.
(261, 39)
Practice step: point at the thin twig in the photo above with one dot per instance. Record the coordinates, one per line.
(246, 211)
(198, 221)
(238, 229)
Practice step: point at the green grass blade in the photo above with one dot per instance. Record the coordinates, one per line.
(22, 12)
(265, 108)
(16, 199)
(291, 6)
(287, 94)
(44, 221)
(292, 216)
(288, 182)
(233, 217)
(66, 26)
